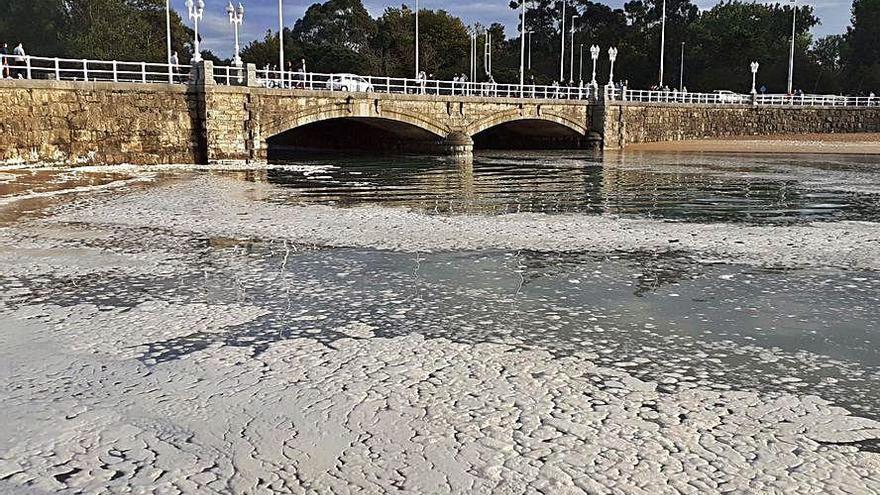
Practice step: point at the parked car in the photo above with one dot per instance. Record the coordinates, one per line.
(348, 82)
(725, 96)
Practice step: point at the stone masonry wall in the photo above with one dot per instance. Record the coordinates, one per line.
(80, 122)
(643, 123)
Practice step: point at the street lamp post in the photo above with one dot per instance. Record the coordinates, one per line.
(754, 67)
(581, 65)
(168, 38)
(594, 53)
(681, 70)
(487, 54)
(791, 52)
(473, 36)
(662, 41)
(529, 49)
(612, 56)
(522, 48)
(280, 41)
(562, 43)
(196, 11)
(571, 63)
(417, 39)
(236, 16)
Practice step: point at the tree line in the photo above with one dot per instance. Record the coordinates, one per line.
(341, 36)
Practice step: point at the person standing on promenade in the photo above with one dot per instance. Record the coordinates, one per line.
(175, 62)
(4, 61)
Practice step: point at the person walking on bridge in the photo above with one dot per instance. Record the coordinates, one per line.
(18, 51)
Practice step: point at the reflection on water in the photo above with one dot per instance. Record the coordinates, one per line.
(659, 316)
(688, 188)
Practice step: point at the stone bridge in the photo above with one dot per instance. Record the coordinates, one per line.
(245, 123)
(105, 122)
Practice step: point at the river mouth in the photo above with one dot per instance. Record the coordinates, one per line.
(528, 306)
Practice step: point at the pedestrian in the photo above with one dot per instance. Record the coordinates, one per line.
(423, 80)
(4, 61)
(20, 55)
(175, 62)
(763, 89)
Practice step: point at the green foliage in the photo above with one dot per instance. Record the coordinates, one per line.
(739, 33)
(96, 29)
(862, 57)
(340, 36)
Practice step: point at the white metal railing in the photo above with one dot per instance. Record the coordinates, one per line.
(230, 75)
(63, 69)
(730, 98)
(345, 82)
(30, 67)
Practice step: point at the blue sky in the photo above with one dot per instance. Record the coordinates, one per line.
(263, 14)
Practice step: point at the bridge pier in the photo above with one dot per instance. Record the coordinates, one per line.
(457, 144)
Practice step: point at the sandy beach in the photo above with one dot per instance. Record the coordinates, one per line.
(865, 143)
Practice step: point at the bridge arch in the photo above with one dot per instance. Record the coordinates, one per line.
(286, 122)
(516, 130)
(514, 116)
(353, 127)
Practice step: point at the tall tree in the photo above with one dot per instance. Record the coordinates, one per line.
(728, 37)
(97, 29)
(336, 37)
(863, 42)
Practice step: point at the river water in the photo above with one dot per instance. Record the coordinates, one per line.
(680, 319)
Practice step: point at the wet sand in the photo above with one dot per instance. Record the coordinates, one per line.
(863, 143)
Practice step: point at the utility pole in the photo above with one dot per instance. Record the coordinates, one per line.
(487, 54)
(168, 37)
(529, 33)
(281, 40)
(522, 48)
(681, 71)
(791, 53)
(581, 65)
(562, 50)
(571, 63)
(662, 41)
(417, 39)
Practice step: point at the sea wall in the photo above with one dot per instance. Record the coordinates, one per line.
(626, 123)
(99, 122)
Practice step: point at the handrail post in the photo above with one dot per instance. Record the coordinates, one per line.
(85, 70)
(143, 72)
(27, 61)
(57, 70)
(115, 75)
